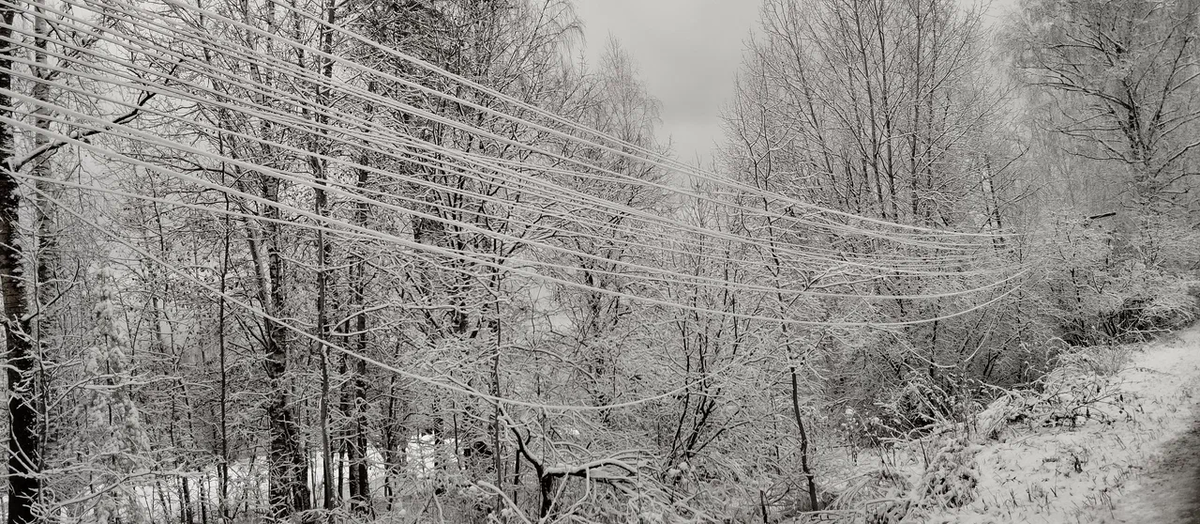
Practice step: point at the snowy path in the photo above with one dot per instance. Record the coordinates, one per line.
(1144, 467)
(1170, 489)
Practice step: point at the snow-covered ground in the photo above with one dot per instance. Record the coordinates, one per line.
(1134, 459)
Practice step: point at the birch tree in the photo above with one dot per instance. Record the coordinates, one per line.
(1122, 75)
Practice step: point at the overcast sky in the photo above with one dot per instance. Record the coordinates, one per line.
(687, 53)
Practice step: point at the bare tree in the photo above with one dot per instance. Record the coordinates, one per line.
(1122, 75)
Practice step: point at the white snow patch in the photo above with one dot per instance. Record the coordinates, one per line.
(1098, 471)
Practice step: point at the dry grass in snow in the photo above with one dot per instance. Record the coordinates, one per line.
(1095, 448)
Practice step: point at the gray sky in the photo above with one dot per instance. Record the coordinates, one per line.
(687, 53)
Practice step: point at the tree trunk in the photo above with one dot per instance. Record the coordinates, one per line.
(288, 469)
(223, 466)
(804, 468)
(24, 443)
(360, 489)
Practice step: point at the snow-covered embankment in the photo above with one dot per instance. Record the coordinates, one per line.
(1133, 457)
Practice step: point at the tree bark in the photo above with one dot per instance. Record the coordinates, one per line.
(288, 468)
(360, 488)
(24, 442)
(804, 468)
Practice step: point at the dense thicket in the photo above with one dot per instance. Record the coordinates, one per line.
(403, 260)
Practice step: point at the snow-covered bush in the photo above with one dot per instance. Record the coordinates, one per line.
(1079, 389)
(1118, 279)
(1103, 360)
(951, 477)
(922, 402)
(882, 494)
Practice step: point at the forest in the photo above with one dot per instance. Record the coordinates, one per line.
(417, 261)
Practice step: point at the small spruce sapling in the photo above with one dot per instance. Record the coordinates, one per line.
(111, 435)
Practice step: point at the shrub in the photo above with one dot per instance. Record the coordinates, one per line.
(951, 477)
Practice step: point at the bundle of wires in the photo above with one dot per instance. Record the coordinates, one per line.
(156, 65)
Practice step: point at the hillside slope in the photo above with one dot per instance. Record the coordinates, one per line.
(1132, 456)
